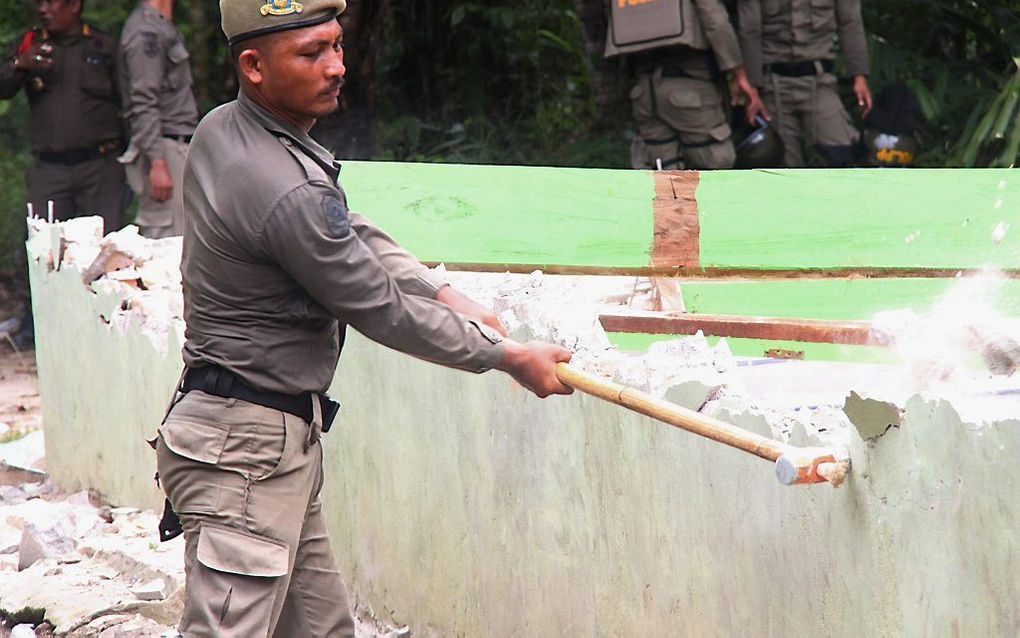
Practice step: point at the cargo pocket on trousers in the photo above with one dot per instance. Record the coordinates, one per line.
(202, 442)
(187, 466)
(687, 107)
(228, 553)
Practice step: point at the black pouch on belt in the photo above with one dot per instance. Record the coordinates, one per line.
(170, 524)
(329, 410)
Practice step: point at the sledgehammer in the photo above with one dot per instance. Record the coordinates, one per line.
(794, 465)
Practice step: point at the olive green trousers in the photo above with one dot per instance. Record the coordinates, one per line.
(807, 111)
(681, 123)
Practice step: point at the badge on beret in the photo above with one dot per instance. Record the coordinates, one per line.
(336, 217)
(281, 7)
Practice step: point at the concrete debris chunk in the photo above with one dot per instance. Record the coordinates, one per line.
(28, 452)
(155, 589)
(11, 495)
(9, 562)
(135, 627)
(872, 417)
(109, 259)
(53, 542)
(23, 631)
(98, 625)
(80, 239)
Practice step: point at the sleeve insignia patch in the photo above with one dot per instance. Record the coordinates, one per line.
(150, 42)
(337, 223)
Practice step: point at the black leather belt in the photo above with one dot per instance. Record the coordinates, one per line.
(218, 381)
(186, 139)
(800, 69)
(80, 155)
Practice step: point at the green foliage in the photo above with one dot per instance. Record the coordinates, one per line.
(960, 59)
(502, 82)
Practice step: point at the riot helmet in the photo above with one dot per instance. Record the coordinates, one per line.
(759, 146)
(888, 138)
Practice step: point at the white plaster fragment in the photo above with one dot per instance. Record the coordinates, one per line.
(23, 631)
(155, 589)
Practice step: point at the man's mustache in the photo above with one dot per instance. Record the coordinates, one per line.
(335, 85)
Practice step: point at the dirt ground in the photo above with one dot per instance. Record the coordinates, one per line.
(20, 410)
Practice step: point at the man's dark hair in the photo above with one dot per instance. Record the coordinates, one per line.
(81, 9)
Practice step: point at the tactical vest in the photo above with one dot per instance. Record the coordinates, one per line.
(643, 25)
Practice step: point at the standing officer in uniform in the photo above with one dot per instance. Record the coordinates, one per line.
(681, 49)
(160, 109)
(274, 269)
(67, 70)
(788, 45)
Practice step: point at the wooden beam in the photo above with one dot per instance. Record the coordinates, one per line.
(676, 242)
(856, 333)
(724, 273)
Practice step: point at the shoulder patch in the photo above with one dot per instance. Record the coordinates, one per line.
(336, 216)
(150, 44)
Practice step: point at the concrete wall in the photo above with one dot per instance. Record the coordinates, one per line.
(460, 505)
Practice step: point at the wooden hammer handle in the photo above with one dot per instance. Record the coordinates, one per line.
(670, 413)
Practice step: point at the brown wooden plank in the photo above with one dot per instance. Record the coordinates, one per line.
(770, 328)
(725, 273)
(676, 241)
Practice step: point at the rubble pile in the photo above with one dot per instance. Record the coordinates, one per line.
(92, 569)
(142, 274)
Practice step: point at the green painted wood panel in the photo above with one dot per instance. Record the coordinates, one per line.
(855, 299)
(508, 214)
(923, 218)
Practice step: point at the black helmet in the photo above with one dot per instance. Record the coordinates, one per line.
(888, 137)
(758, 147)
(888, 149)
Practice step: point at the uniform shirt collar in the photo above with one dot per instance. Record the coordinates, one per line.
(150, 12)
(311, 148)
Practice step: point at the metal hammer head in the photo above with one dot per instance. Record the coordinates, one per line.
(812, 465)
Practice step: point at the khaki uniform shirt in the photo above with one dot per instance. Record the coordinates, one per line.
(801, 30)
(710, 29)
(156, 81)
(73, 105)
(274, 265)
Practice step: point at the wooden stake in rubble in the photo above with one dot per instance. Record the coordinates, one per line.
(794, 465)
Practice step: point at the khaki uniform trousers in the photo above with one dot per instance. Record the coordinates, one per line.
(681, 123)
(94, 187)
(157, 220)
(245, 481)
(809, 110)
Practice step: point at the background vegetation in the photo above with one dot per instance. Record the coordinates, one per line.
(523, 82)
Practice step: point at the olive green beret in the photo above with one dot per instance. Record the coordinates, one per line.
(244, 19)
